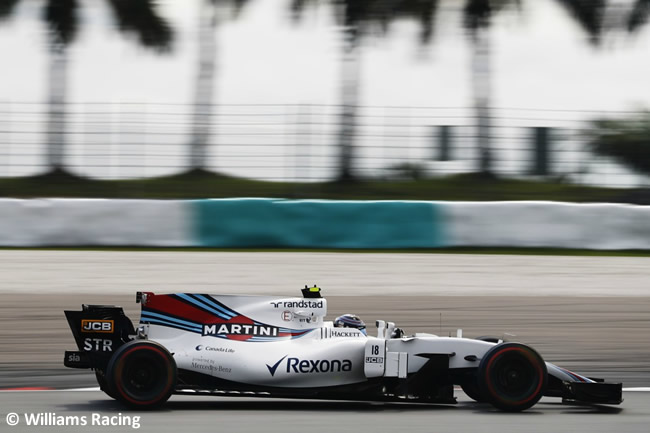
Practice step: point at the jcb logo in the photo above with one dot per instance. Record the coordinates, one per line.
(105, 326)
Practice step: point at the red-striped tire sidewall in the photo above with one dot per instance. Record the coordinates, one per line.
(486, 378)
(118, 362)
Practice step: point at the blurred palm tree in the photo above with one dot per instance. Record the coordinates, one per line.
(134, 17)
(478, 16)
(357, 19)
(211, 14)
(477, 19)
(625, 140)
(589, 15)
(638, 15)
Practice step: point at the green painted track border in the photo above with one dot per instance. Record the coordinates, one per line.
(245, 223)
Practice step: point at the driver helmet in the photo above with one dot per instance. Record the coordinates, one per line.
(350, 321)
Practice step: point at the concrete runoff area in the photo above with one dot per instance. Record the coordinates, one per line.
(355, 274)
(219, 414)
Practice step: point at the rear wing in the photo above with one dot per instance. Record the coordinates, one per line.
(98, 331)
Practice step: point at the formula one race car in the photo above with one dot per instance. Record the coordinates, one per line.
(282, 347)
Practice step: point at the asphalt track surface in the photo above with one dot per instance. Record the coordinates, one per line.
(589, 314)
(218, 414)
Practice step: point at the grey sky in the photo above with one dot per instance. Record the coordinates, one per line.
(541, 61)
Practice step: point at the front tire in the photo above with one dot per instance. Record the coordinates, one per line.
(141, 374)
(512, 377)
(469, 385)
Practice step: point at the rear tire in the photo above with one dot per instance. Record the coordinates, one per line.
(512, 377)
(101, 381)
(141, 374)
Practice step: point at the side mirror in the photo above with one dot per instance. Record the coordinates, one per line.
(390, 327)
(381, 326)
(304, 314)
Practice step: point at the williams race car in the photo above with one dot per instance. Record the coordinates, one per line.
(283, 347)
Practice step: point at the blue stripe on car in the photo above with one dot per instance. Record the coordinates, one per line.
(203, 306)
(169, 324)
(172, 319)
(211, 302)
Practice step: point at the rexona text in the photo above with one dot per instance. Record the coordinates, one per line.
(295, 365)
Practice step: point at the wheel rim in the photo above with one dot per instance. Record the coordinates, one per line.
(515, 377)
(144, 375)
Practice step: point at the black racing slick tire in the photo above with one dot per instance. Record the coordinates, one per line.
(141, 374)
(469, 385)
(101, 381)
(512, 377)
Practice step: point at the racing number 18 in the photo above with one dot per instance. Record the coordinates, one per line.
(375, 350)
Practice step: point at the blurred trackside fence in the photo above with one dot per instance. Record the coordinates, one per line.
(297, 142)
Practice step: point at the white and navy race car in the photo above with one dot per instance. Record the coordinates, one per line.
(283, 347)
